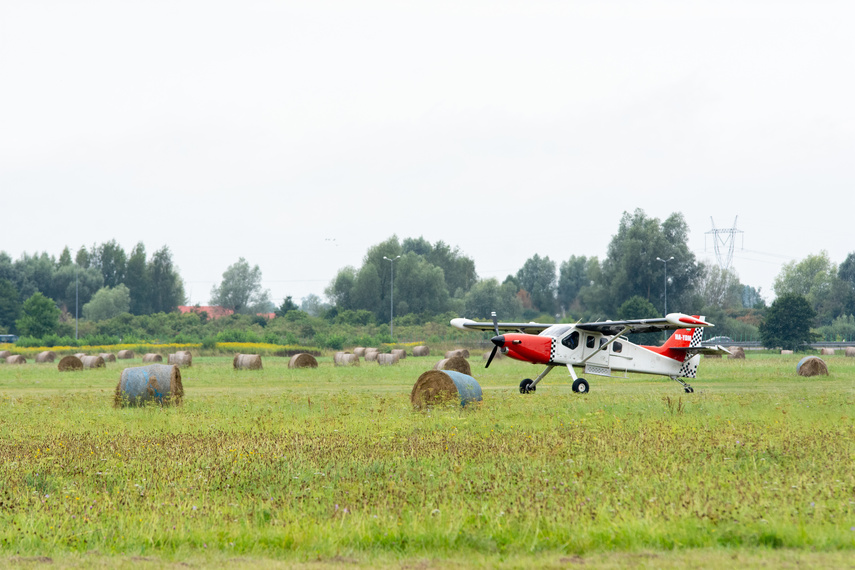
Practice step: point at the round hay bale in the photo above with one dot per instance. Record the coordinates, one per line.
(46, 356)
(421, 350)
(16, 359)
(152, 357)
(499, 356)
(736, 352)
(159, 383)
(359, 351)
(400, 353)
(371, 354)
(80, 355)
(93, 362)
(811, 366)
(4, 354)
(347, 359)
(125, 354)
(826, 351)
(462, 352)
(440, 386)
(456, 363)
(182, 358)
(302, 360)
(247, 362)
(850, 351)
(387, 359)
(70, 363)
(108, 356)
(786, 352)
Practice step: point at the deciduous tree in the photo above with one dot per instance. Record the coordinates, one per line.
(10, 305)
(240, 289)
(107, 303)
(572, 278)
(788, 322)
(816, 278)
(167, 288)
(39, 316)
(488, 295)
(537, 276)
(631, 267)
(138, 281)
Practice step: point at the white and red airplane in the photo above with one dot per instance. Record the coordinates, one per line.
(600, 347)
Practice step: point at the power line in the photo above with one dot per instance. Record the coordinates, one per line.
(723, 243)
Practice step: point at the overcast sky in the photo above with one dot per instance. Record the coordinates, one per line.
(299, 134)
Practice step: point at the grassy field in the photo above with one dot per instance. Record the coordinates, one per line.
(331, 467)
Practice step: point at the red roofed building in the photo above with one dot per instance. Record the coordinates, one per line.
(214, 312)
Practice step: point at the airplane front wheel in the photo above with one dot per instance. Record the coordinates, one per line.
(526, 386)
(580, 385)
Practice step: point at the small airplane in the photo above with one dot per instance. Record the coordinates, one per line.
(601, 347)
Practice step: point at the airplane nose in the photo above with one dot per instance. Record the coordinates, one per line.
(498, 340)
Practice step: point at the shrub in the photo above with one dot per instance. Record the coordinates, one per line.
(235, 335)
(358, 318)
(100, 340)
(333, 341)
(28, 342)
(272, 338)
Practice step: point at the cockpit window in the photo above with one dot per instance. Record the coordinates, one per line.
(556, 330)
(589, 342)
(571, 341)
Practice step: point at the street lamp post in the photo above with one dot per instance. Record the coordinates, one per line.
(76, 299)
(665, 261)
(392, 296)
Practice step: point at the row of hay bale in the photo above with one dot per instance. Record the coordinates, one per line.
(362, 352)
(84, 362)
(848, 351)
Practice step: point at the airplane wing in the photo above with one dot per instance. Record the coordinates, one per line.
(470, 325)
(671, 321)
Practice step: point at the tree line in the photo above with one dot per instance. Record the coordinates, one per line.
(95, 283)
(421, 282)
(435, 278)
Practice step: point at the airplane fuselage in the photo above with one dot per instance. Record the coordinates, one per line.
(597, 353)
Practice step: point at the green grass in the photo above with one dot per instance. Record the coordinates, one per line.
(294, 466)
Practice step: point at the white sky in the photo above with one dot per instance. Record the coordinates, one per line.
(507, 128)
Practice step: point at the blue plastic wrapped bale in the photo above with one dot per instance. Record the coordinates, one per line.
(441, 386)
(160, 383)
(811, 366)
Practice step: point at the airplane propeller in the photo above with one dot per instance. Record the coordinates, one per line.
(497, 340)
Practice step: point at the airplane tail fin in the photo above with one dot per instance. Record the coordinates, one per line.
(681, 339)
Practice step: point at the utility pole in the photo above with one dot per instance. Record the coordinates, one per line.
(76, 299)
(392, 296)
(665, 261)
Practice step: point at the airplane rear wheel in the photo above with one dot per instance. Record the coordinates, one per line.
(526, 386)
(580, 385)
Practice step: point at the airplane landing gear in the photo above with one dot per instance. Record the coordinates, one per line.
(527, 386)
(580, 385)
(686, 388)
